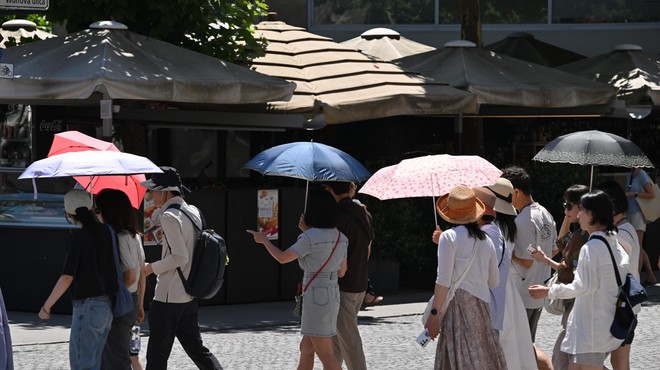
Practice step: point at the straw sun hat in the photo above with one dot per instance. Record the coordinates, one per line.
(460, 206)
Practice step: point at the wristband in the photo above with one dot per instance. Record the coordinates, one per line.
(47, 313)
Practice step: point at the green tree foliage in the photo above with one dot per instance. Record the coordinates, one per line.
(39, 19)
(220, 28)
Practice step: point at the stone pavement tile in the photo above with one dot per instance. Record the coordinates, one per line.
(388, 335)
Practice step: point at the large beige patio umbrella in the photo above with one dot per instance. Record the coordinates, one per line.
(635, 73)
(338, 84)
(498, 80)
(386, 44)
(111, 61)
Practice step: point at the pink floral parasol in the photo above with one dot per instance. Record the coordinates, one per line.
(430, 176)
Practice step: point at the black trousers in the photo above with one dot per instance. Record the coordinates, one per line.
(170, 320)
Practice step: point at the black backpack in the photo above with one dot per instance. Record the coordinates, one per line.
(209, 258)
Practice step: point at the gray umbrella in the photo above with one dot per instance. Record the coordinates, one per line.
(593, 148)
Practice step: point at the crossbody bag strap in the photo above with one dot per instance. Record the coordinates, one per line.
(616, 270)
(457, 282)
(325, 263)
(503, 250)
(115, 253)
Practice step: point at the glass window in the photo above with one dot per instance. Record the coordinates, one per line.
(374, 11)
(499, 12)
(514, 11)
(605, 11)
(328, 12)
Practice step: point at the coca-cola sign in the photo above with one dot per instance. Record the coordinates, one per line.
(51, 126)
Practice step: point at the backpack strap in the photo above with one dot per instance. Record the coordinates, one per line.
(616, 270)
(178, 206)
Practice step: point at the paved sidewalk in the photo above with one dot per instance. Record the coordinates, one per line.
(28, 329)
(266, 336)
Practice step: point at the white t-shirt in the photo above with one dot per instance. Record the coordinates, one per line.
(131, 255)
(535, 226)
(595, 291)
(454, 251)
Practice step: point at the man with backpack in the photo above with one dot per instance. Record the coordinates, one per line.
(173, 312)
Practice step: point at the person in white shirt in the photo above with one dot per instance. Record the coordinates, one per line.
(627, 237)
(464, 323)
(174, 312)
(588, 339)
(114, 208)
(534, 227)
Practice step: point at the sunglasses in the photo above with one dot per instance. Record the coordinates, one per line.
(568, 206)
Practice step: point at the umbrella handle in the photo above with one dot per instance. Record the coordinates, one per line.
(435, 214)
(34, 187)
(306, 193)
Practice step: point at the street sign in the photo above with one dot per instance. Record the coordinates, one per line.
(6, 70)
(24, 4)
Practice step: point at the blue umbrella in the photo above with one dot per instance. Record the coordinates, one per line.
(308, 161)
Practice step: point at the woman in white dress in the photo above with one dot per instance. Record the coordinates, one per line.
(515, 337)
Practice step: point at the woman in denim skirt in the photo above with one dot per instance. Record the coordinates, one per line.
(314, 252)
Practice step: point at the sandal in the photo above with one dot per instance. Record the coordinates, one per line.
(647, 283)
(371, 300)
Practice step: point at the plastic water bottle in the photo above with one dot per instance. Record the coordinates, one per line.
(135, 344)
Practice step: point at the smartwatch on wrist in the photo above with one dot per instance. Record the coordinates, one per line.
(434, 311)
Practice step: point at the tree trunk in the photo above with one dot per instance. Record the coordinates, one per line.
(471, 31)
(471, 21)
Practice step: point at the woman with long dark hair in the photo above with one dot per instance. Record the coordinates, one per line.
(114, 209)
(569, 241)
(89, 270)
(464, 250)
(588, 340)
(515, 337)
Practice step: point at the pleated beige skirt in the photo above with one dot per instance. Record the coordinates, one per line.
(467, 339)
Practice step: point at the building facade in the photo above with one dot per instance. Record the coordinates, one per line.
(587, 27)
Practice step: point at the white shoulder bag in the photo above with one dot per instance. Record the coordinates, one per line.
(451, 292)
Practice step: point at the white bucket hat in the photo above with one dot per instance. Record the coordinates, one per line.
(503, 190)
